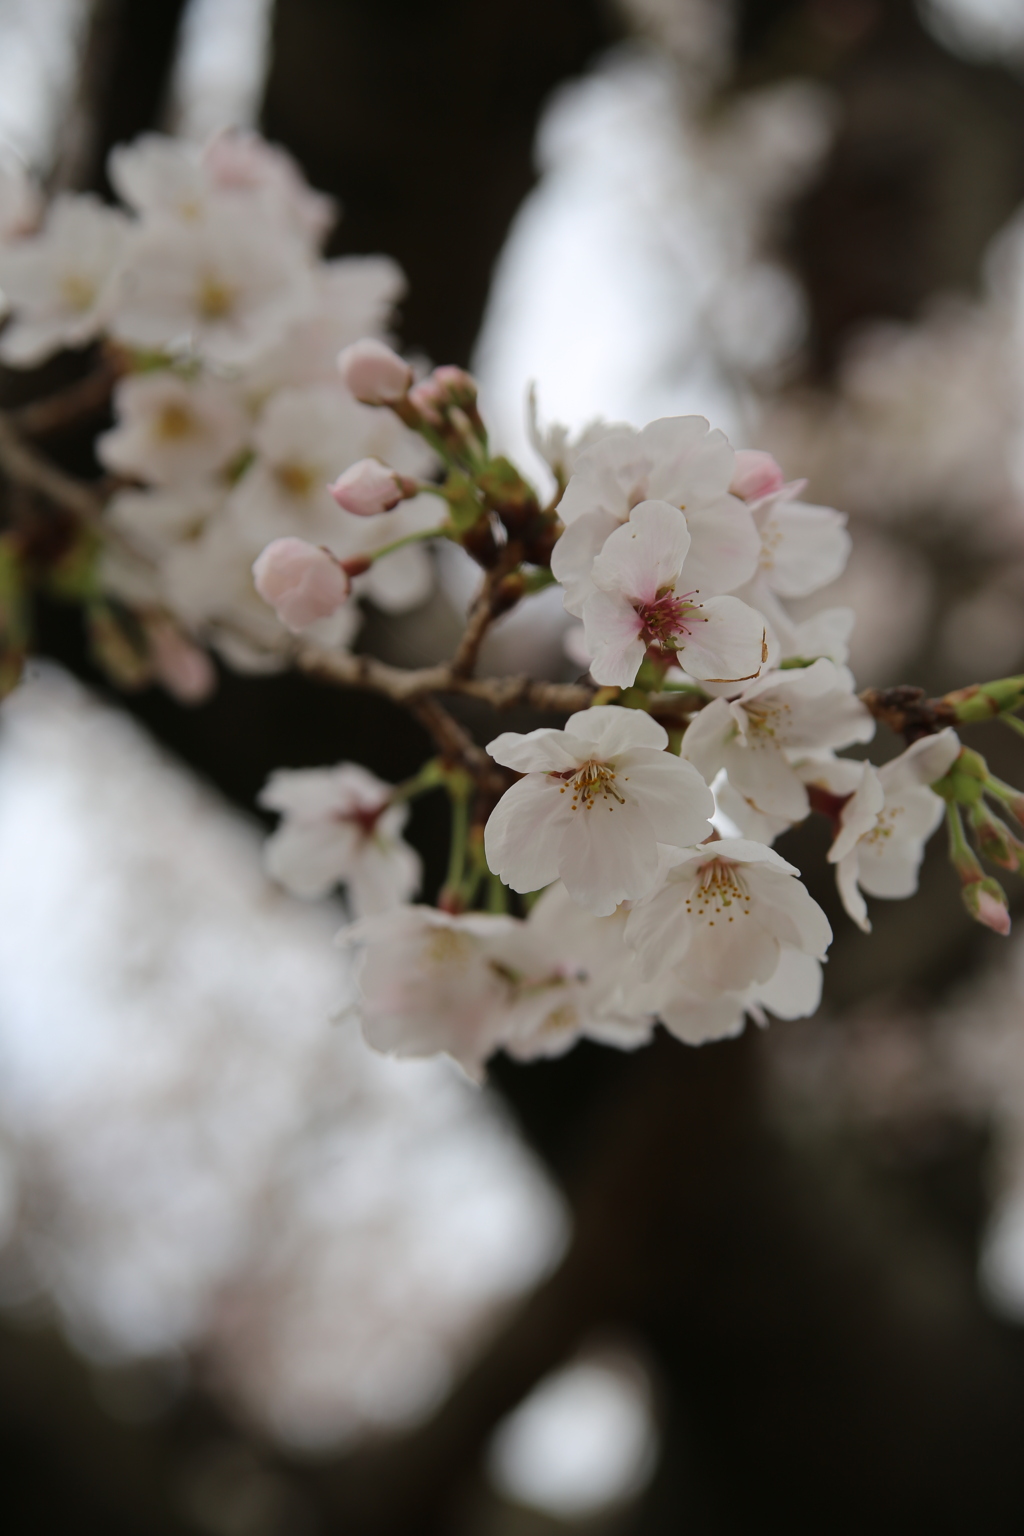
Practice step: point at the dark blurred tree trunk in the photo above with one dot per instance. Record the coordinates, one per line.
(420, 115)
(127, 64)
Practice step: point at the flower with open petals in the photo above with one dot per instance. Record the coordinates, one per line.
(677, 460)
(644, 600)
(429, 983)
(722, 919)
(340, 827)
(780, 715)
(885, 817)
(60, 283)
(595, 801)
(173, 430)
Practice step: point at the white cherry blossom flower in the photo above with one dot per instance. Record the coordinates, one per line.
(721, 921)
(348, 298)
(570, 976)
(173, 430)
(60, 283)
(885, 823)
(156, 175)
(595, 801)
(793, 992)
(218, 287)
(644, 599)
(243, 162)
(678, 460)
(155, 522)
(429, 983)
(303, 440)
(340, 827)
(796, 712)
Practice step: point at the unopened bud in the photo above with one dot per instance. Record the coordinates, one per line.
(369, 487)
(373, 373)
(994, 840)
(447, 388)
(756, 474)
(985, 900)
(300, 582)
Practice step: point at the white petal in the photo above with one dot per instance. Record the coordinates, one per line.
(573, 556)
(922, 763)
(689, 463)
(542, 751)
(696, 1020)
(764, 778)
(732, 956)
(859, 814)
(608, 729)
(645, 554)
(725, 546)
(383, 876)
(612, 631)
(789, 909)
(671, 793)
(401, 580)
(309, 859)
(847, 876)
(725, 644)
(794, 992)
(608, 854)
(804, 547)
(524, 831)
(707, 737)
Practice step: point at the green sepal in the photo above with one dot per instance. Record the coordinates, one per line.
(464, 505)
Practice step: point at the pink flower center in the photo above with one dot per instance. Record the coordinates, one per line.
(668, 618)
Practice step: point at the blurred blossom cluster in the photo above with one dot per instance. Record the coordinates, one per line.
(193, 1161)
(230, 421)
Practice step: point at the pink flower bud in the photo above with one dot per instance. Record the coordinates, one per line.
(300, 582)
(756, 474)
(369, 487)
(374, 374)
(184, 669)
(985, 900)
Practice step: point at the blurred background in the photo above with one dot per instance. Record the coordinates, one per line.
(254, 1280)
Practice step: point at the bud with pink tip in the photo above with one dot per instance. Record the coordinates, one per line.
(300, 582)
(756, 475)
(369, 487)
(373, 373)
(985, 900)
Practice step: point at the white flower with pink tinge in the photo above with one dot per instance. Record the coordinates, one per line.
(429, 983)
(780, 716)
(803, 548)
(643, 600)
(60, 283)
(885, 816)
(725, 920)
(595, 801)
(677, 460)
(173, 430)
(340, 827)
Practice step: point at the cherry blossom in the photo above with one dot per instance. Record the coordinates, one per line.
(799, 711)
(721, 921)
(340, 826)
(216, 287)
(300, 582)
(238, 160)
(755, 474)
(61, 282)
(429, 983)
(595, 801)
(173, 430)
(677, 460)
(571, 976)
(644, 601)
(887, 819)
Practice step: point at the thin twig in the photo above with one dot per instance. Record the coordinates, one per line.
(24, 466)
(85, 398)
(403, 686)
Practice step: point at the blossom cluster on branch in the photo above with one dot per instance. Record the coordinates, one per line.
(273, 462)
